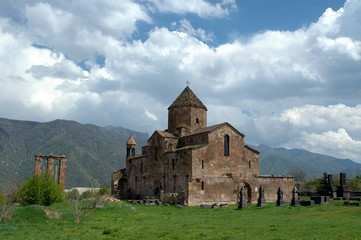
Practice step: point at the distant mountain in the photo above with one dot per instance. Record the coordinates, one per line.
(93, 152)
(282, 161)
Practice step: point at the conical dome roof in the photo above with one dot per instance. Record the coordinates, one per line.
(187, 99)
(131, 141)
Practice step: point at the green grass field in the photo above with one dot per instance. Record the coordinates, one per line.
(117, 221)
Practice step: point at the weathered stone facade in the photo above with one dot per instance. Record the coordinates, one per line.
(195, 163)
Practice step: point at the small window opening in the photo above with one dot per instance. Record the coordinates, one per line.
(226, 145)
(202, 185)
(141, 167)
(173, 163)
(156, 154)
(249, 164)
(197, 120)
(202, 164)
(174, 181)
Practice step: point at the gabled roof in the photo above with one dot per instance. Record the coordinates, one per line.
(252, 149)
(164, 134)
(187, 99)
(213, 128)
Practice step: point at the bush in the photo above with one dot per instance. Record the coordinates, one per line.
(1, 198)
(40, 190)
(104, 191)
(73, 194)
(87, 194)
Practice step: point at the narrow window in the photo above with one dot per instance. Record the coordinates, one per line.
(202, 164)
(197, 120)
(164, 183)
(173, 164)
(156, 154)
(141, 167)
(226, 145)
(250, 164)
(202, 185)
(174, 181)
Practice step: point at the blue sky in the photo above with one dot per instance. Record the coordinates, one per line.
(285, 73)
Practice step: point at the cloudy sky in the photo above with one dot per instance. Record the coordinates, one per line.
(285, 73)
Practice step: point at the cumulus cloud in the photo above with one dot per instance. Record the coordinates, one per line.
(186, 27)
(338, 144)
(201, 8)
(277, 87)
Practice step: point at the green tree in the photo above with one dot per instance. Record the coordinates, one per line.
(322, 187)
(41, 190)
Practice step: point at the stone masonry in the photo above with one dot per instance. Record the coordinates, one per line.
(50, 166)
(195, 163)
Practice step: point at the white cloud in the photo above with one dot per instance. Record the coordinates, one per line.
(201, 8)
(275, 86)
(322, 118)
(150, 115)
(186, 27)
(338, 144)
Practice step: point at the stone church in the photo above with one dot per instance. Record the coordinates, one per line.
(194, 163)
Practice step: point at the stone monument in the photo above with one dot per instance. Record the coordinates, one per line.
(261, 199)
(242, 199)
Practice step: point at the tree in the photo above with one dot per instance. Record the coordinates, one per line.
(299, 174)
(40, 190)
(322, 187)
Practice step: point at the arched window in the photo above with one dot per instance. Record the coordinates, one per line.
(226, 145)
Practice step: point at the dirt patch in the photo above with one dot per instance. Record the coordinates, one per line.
(51, 214)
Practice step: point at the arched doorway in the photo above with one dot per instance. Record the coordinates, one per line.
(157, 188)
(248, 190)
(123, 188)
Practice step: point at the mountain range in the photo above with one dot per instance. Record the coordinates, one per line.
(94, 152)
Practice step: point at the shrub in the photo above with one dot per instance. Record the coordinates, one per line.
(104, 191)
(40, 190)
(1, 198)
(8, 203)
(73, 194)
(87, 194)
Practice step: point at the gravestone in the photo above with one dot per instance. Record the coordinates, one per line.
(343, 191)
(261, 199)
(330, 188)
(295, 201)
(280, 201)
(242, 199)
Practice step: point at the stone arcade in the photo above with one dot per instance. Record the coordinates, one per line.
(59, 173)
(195, 163)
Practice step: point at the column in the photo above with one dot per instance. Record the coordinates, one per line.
(38, 164)
(51, 166)
(62, 171)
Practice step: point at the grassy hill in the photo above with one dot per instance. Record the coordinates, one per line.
(93, 152)
(282, 161)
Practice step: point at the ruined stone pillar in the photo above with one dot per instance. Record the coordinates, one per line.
(62, 171)
(50, 167)
(38, 164)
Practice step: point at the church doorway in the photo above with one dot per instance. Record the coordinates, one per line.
(248, 191)
(157, 188)
(123, 188)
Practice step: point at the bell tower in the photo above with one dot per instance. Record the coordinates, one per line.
(131, 147)
(186, 114)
